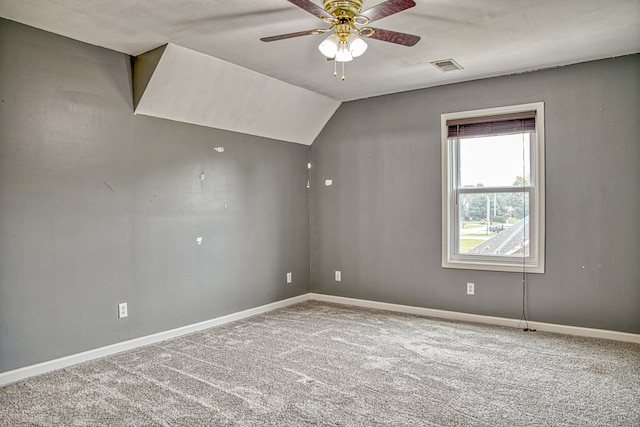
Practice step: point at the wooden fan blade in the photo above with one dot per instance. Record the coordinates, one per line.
(292, 35)
(314, 9)
(390, 36)
(383, 10)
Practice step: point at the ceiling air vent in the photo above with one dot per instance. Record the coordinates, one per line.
(445, 65)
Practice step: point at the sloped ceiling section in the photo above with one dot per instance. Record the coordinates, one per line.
(176, 83)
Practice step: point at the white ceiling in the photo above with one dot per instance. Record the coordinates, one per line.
(175, 83)
(488, 38)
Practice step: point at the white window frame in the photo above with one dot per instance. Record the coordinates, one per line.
(535, 262)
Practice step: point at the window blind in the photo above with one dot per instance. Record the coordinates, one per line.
(492, 125)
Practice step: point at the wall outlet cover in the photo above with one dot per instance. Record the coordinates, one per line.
(122, 310)
(471, 288)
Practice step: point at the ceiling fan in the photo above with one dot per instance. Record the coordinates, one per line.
(347, 21)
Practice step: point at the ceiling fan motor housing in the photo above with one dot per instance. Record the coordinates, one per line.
(340, 8)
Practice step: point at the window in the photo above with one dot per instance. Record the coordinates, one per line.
(493, 189)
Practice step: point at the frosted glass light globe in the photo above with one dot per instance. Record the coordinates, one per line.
(329, 47)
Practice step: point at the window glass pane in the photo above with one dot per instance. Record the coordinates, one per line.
(493, 224)
(494, 161)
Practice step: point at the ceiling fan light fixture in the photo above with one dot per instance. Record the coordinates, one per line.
(342, 49)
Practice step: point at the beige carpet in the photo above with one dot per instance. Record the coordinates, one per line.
(322, 364)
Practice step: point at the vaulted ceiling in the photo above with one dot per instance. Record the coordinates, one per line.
(487, 38)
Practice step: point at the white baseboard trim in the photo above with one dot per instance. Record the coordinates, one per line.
(479, 318)
(63, 362)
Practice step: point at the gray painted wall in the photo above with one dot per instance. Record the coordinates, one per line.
(380, 221)
(98, 206)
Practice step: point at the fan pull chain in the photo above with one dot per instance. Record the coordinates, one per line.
(335, 70)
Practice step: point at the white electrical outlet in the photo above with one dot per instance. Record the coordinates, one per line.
(471, 288)
(289, 279)
(338, 276)
(122, 310)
